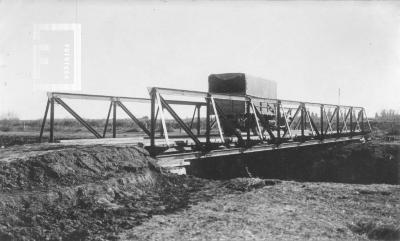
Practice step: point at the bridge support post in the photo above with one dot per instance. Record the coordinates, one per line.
(322, 122)
(351, 121)
(51, 138)
(362, 120)
(248, 121)
(44, 120)
(114, 124)
(278, 120)
(302, 124)
(153, 118)
(208, 124)
(108, 118)
(194, 114)
(198, 119)
(338, 121)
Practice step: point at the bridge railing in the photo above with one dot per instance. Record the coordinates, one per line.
(266, 120)
(294, 120)
(54, 98)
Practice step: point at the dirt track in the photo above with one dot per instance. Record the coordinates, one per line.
(100, 192)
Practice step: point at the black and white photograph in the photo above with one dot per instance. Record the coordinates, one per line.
(199, 120)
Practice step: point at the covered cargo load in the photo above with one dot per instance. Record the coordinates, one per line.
(242, 84)
(239, 84)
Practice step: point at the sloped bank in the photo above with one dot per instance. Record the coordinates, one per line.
(87, 192)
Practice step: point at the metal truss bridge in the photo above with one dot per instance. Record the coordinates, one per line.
(294, 124)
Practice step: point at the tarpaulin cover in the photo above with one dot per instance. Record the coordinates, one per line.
(239, 84)
(230, 83)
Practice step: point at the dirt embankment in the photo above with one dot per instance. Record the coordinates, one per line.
(80, 193)
(61, 192)
(58, 192)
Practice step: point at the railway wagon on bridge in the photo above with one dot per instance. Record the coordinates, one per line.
(236, 111)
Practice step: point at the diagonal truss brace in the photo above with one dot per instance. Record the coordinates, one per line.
(221, 135)
(294, 118)
(265, 124)
(288, 130)
(365, 113)
(179, 120)
(162, 115)
(77, 117)
(335, 112)
(329, 123)
(312, 124)
(345, 117)
(257, 120)
(137, 121)
(358, 121)
(221, 115)
(107, 119)
(44, 120)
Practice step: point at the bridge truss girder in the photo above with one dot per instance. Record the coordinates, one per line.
(293, 121)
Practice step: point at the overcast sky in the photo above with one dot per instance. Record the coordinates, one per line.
(309, 48)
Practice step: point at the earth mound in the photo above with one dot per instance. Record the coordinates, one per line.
(83, 192)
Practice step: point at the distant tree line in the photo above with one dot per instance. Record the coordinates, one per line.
(9, 115)
(387, 115)
(13, 123)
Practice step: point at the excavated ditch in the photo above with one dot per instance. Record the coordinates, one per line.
(362, 163)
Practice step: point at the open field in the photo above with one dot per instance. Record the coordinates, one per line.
(19, 132)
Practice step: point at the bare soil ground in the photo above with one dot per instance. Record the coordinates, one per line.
(117, 192)
(280, 211)
(55, 192)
